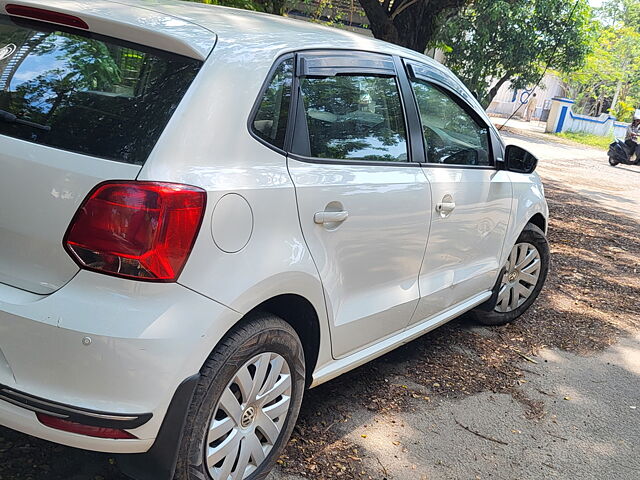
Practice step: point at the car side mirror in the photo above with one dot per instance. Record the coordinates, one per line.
(518, 160)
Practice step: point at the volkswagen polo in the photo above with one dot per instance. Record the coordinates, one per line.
(206, 211)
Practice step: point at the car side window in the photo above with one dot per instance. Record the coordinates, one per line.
(270, 121)
(451, 135)
(354, 117)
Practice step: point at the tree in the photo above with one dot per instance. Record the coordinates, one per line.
(616, 12)
(409, 23)
(492, 42)
(624, 45)
(610, 78)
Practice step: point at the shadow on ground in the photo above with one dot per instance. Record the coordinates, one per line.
(589, 300)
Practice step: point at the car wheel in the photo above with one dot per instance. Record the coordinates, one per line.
(245, 405)
(521, 279)
(613, 162)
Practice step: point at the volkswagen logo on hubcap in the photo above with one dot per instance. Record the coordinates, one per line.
(247, 417)
(7, 51)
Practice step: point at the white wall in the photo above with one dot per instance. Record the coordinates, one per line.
(602, 125)
(562, 119)
(508, 100)
(620, 130)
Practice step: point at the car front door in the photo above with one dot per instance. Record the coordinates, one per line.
(364, 207)
(470, 196)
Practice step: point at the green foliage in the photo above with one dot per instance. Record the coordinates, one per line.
(588, 139)
(624, 110)
(610, 78)
(617, 12)
(515, 40)
(325, 12)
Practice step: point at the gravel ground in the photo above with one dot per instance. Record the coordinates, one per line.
(584, 431)
(554, 395)
(587, 171)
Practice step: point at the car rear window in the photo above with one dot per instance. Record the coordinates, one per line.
(87, 93)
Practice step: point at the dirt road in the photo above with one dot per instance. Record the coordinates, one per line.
(588, 173)
(542, 398)
(554, 395)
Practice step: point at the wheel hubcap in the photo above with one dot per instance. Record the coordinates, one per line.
(520, 279)
(249, 417)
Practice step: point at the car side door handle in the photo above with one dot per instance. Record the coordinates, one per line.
(445, 208)
(330, 217)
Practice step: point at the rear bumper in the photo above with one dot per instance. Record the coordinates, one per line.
(25, 421)
(102, 347)
(117, 421)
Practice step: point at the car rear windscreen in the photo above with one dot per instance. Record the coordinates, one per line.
(87, 93)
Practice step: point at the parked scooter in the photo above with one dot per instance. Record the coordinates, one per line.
(622, 152)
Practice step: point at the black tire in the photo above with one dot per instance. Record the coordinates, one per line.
(261, 333)
(486, 314)
(613, 162)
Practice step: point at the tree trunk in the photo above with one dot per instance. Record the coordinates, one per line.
(416, 26)
(487, 99)
(381, 25)
(616, 96)
(408, 23)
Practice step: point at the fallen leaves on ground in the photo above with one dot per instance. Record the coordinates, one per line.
(590, 298)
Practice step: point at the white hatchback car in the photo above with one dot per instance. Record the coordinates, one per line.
(206, 211)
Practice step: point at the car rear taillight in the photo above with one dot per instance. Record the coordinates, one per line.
(79, 428)
(140, 230)
(46, 16)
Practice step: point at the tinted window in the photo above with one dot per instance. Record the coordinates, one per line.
(355, 117)
(451, 135)
(97, 95)
(270, 122)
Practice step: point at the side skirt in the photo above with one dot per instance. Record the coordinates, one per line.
(338, 367)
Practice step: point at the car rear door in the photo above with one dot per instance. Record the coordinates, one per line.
(364, 207)
(471, 197)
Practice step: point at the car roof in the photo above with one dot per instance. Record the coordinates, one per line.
(269, 33)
